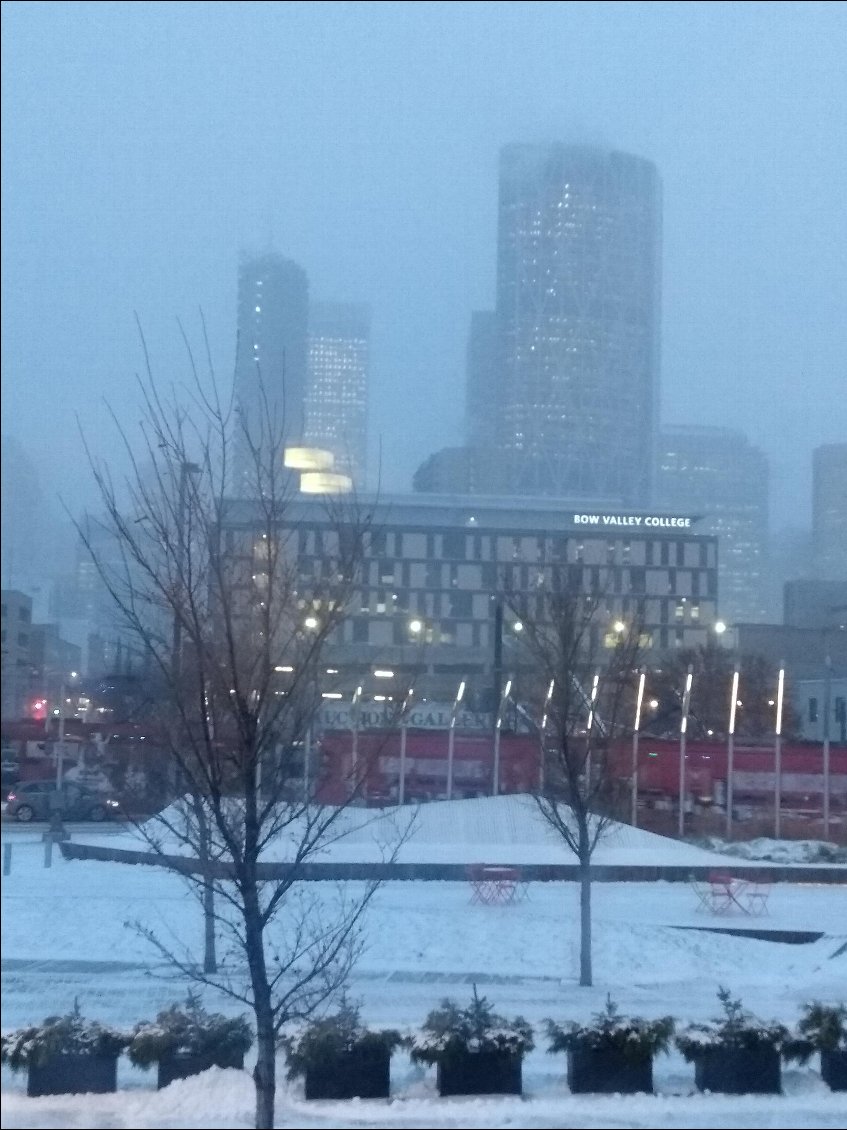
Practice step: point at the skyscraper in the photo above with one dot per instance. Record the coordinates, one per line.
(578, 313)
(829, 511)
(718, 474)
(337, 397)
(273, 321)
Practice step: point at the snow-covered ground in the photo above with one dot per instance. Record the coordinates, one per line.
(64, 936)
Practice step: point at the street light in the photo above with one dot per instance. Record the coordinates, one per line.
(460, 694)
(730, 751)
(404, 726)
(507, 690)
(683, 728)
(777, 776)
(642, 676)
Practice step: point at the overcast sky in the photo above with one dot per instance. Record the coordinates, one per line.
(144, 144)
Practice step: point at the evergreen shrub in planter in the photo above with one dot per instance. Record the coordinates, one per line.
(736, 1054)
(186, 1039)
(476, 1052)
(823, 1028)
(338, 1058)
(613, 1053)
(66, 1055)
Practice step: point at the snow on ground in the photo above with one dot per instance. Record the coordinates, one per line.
(63, 936)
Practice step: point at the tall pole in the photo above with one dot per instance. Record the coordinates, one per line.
(543, 734)
(450, 740)
(60, 741)
(498, 649)
(777, 775)
(307, 757)
(827, 709)
(357, 694)
(730, 752)
(639, 699)
(506, 692)
(404, 726)
(683, 729)
(595, 684)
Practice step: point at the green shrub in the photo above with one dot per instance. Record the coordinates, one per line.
(70, 1034)
(332, 1036)
(189, 1030)
(450, 1030)
(632, 1035)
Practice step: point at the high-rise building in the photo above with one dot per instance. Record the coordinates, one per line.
(337, 397)
(829, 511)
(578, 320)
(271, 356)
(716, 473)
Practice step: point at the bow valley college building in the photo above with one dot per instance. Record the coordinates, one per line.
(428, 601)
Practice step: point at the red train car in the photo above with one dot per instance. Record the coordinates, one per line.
(377, 755)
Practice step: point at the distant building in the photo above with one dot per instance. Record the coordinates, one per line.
(435, 566)
(481, 388)
(17, 653)
(448, 471)
(716, 473)
(829, 511)
(821, 708)
(578, 322)
(53, 661)
(337, 396)
(272, 354)
(816, 604)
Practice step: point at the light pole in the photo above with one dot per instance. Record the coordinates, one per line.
(404, 725)
(542, 733)
(460, 694)
(507, 690)
(730, 751)
(595, 686)
(636, 728)
(357, 695)
(683, 728)
(777, 776)
(827, 707)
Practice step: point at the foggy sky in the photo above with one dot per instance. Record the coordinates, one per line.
(145, 144)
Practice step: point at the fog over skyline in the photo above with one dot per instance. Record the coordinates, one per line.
(145, 145)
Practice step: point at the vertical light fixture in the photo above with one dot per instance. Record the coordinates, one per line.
(404, 725)
(543, 733)
(460, 694)
(777, 775)
(730, 752)
(357, 695)
(683, 729)
(507, 690)
(642, 676)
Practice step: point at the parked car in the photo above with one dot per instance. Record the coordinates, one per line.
(38, 800)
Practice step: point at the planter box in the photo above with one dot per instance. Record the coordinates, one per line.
(182, 1066)
(363, 1074)
(480, 1073)
(739, 1071)
(834, 1070)
(608, 1071)
(74, 1075)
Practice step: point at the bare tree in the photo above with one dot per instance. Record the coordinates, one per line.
(213, 592)
(583, 668)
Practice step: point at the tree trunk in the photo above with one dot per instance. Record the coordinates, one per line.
(210, 957)
(585, 973)
(264, 1073)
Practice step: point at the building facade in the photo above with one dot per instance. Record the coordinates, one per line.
(829, 511)
(578, 322)
(337, 396)
(716, 473)
(271, 355)
(436, 568)
(17, 646)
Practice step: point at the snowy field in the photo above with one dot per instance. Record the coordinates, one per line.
(64, 936)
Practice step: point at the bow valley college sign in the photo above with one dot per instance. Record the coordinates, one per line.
(635, 521)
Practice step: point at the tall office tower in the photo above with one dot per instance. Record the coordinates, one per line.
(716, 473)
(273, 323)
(337, 397)
(578, 310)
(829, 511)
